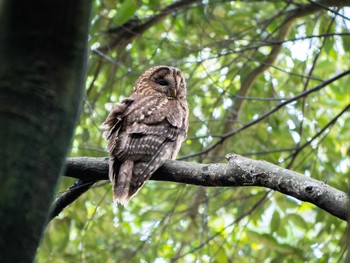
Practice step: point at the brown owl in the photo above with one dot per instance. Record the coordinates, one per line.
(146, 129)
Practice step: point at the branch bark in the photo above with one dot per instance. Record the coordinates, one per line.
(239, 171)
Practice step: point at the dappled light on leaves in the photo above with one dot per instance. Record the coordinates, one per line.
(243, 62)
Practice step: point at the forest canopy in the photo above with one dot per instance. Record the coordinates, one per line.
(241, 59)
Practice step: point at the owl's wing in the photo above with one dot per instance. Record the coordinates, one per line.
(112, 126)
(144, 143)
(148, 122)
(114, 119)
(142, 171)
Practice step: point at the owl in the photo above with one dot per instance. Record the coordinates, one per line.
(145, 129)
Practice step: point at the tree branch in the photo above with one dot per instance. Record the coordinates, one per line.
(249, 79)
(239, 171)
(69, 196)
(125, 33)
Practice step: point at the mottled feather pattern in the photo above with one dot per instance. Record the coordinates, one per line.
(146, 129)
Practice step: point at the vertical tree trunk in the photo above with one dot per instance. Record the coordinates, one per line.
(42, 68)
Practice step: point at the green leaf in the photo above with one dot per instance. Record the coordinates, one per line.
(297, 220)
(329, 45)
(282, 228)
(125, 12)
(285, 202)
(275, 222)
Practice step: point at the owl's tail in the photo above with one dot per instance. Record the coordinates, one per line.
(122, 181)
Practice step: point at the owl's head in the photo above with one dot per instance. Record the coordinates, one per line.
(162, 80)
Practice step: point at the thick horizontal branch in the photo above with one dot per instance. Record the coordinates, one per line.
(239, 171)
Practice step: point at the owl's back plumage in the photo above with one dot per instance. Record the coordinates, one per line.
(146, 129)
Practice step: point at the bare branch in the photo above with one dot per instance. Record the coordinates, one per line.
(135, 27)
(268, 113)
(247, 81)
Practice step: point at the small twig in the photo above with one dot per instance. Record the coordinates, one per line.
(69, 196)
(268, 113)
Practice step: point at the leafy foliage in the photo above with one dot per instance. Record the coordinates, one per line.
(240, 59)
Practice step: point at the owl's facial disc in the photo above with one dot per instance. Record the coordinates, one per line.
(169, 87)
(169, 81)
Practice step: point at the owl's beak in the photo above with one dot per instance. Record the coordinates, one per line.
(172, 92)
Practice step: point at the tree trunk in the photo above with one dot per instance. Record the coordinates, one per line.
(42, 68)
